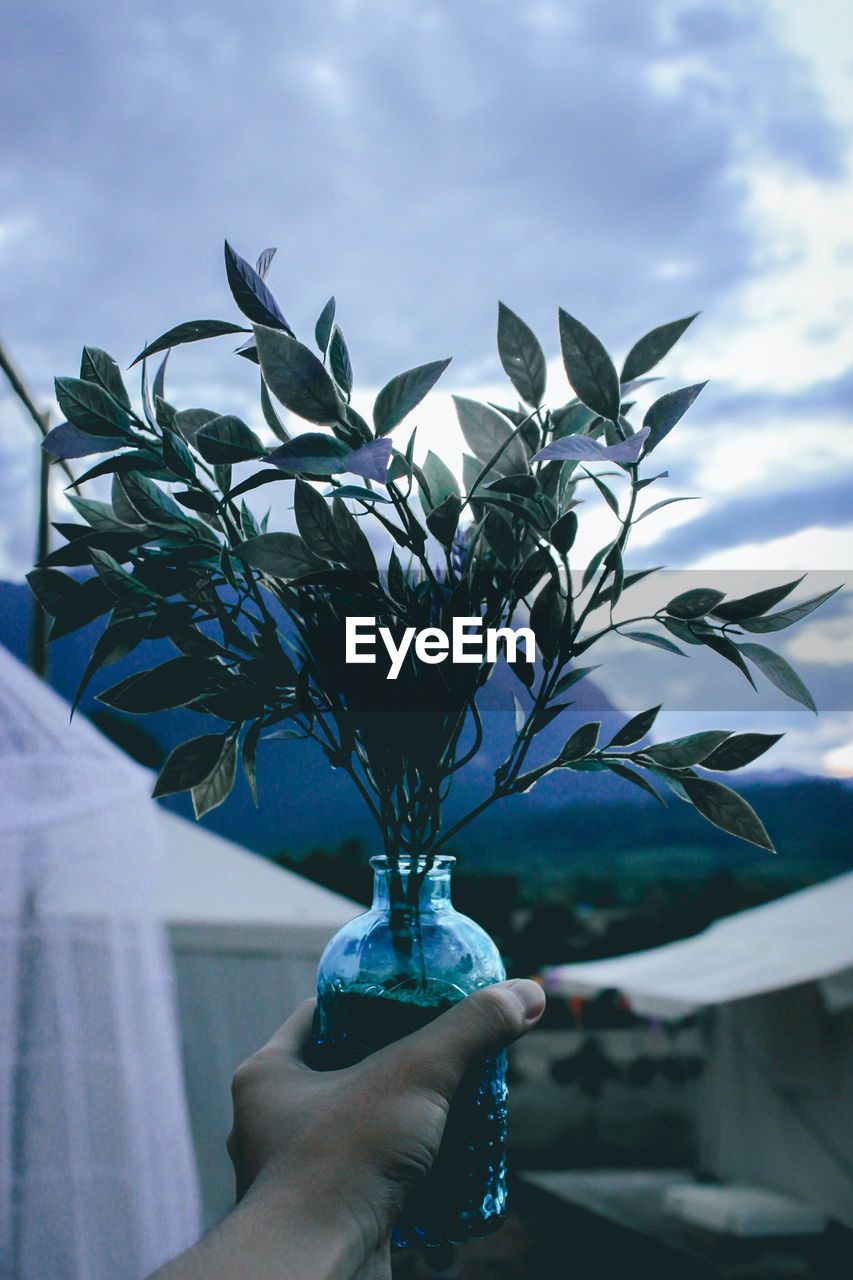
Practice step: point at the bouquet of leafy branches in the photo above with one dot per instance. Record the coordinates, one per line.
(260, 618)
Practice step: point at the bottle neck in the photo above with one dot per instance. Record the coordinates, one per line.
(396, 886)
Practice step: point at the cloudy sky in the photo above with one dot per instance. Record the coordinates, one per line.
(632, 162)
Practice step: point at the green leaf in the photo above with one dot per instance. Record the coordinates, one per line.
(400, 396)
(443, 520)
(756, 604)
(356, 491)
(531, 573)
(564, 532)
(616, 766)
(323, 327)
(227, 440)
(779, 672)
(340, 362)
(786, 617)
(216, 787)
(172, 684)
(297, 378)
(189, 764)
(607, 494)
(695, 603)
(314, 521)
(190, 421)
(666, 502)
(115, 643)
(282, 555)
(572, 677)
(589, 368)
(636, 728)
(681, 753)
(592, 566)
(581, 742)
(271, 418)
(681, 630)
(666, 412)
(657, 642)
(572, 419)
(121, 583)
(441, 483)
(312, 453)
(151, 503)
(99, 515)
(521, 356)
(177, 456)
(251, 294)
(355, 546)
(91, 409)
(485, 431)
(740, 749)
(726, 650)
(133, 460)
(546, 618)
(192, 331)
(97, 366)
(652, 348)
(248, 753)
(727, 810)
(543, 717)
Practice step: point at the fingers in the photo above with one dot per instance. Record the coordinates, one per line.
(437, 1056)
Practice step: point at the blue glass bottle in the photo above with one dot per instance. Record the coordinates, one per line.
(383, 975)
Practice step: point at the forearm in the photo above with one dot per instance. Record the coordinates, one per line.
(276, 1235)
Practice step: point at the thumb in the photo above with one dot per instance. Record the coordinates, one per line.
(437, 1056)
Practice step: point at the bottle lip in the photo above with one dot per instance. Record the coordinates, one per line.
(441, 862)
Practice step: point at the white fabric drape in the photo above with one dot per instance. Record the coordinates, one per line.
(97, 1177)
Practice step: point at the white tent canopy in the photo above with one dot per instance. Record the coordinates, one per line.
(97, 1178)
(804, 937)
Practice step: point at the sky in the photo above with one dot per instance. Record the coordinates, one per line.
(632, 162)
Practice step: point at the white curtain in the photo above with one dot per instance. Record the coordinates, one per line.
(97, 1177)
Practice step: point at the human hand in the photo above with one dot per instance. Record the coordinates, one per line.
(340, 1150)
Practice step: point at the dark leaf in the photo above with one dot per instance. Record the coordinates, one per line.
(356, 491)
(122, 584)
(97, 366)
(158, 386)
(115, 643)
(268, 476)
(756, 604)
(440, 482)
(339, 361)
(779, 672)
(271, 417)
(581, 742)
(311, 453)
(198, 500)
(314, 521)
(636, 728)
(251, 294)
(248, 754)
(533, 571)
(66, 441)
(189, 764)
(666, 502)
(786, 617)
(727, 810)
(616, 766)
(177, 456)
(589, 368)
(681, 753)
(147, 500)
(564, 532)
(216, 787)
(681, 630)
(99, 515)
(663, 415)
(282, 555)
(228, 440)
(443, 520)
(485, 432)
(545, 715)
(192, 331)
(572, 677)
(190, 421)
(323, 327)
(172, 684)
(726, 650)
(521, 356)
(546, 617)
(695, 603)
(400, 396)
(355, 546)
(500, 537)
(590, 570)
(740, 749)
(91, 409)
(657, 642)
(607, 494)
(296, 377)
(646, 353)
(570, 420)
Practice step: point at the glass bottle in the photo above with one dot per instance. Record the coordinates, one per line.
(387, 973)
